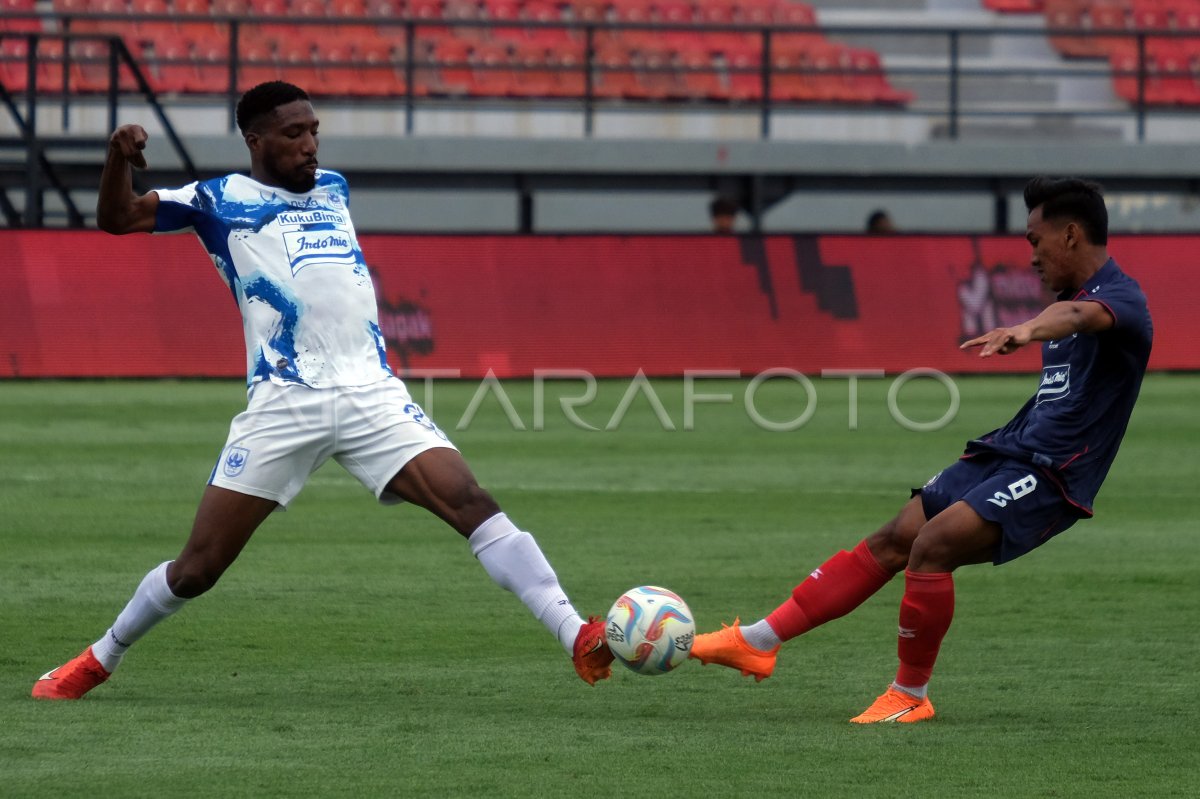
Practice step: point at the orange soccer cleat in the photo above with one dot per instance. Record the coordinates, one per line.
(593, 661)
(727, 647)
(71, 680)
(895, 705)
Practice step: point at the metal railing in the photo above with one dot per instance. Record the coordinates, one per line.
(41, 172)
(949, 72)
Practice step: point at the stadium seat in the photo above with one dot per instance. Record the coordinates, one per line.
(697, 75)
(1169, 81)
(655, 74)
(488, 72)
(379, 70)
(50, 74)
(270, 30)
(358, 71)
(14, 66)
(571, 73)
(88, 65)
(635, 12)
(1186, 15)
(1015, 6)
(744, 76)
(69, 9)
(308, 8)
(8, 23)
(497, 11)
(382, 9)
(424, 9)
(169, 65)
(1070, 16)
(833, 75)
(443, 67)
(589, 11)
(543, 11)
(1108, 17)
(532, 72)
(867, 74)
(297, 63)
(149, 30)
(466, 11)
(726, 12)
(1124, 75)
(681, 15)
(614, 76)
(796, 15)
(119, 8)
(193, 25)
(762, 12)
(791, 79)
(257, 64)
(212, 67)
(1176, 82)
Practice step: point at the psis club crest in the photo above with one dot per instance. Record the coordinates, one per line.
(234, 461)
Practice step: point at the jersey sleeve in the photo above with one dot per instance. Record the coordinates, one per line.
(1127, 306)
(178, 211)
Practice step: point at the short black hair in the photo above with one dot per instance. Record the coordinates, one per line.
(723, 206)
(1072, 198)
(265, 98)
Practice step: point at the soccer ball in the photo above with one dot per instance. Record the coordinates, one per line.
(650, 629)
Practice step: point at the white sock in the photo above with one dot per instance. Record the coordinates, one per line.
(918, 692)
(151, 603)
(761, 635)
(512, 558)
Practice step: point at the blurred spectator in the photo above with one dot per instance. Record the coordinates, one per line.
(879, 222)
(723, 213)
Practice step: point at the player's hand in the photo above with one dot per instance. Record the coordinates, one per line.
(1001, 341)
(129, 141)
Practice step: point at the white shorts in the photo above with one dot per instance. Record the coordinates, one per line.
(288, 431)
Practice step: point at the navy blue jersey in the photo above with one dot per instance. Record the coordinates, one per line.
(1072, 426)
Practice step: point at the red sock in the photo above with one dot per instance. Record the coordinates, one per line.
(925, 615)
(838, 586)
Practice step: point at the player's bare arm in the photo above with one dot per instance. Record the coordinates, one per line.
(1058, 321)
(118, 209)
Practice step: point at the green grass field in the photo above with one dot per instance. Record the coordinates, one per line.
(356, 650)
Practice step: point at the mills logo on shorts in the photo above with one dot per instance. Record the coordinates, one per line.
(235, 461)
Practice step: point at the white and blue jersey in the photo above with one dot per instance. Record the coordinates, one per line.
(1073, 425)
(296, 271)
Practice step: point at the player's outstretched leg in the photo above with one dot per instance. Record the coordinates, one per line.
(728, 647)
(151, 603)
(894, 705)
(71, 680)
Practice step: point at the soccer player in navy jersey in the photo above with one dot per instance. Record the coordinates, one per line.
(1015, 487)
(319, 385)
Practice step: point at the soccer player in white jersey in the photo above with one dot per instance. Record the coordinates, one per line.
(319, 383)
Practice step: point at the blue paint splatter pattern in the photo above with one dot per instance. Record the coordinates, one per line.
(296, 271)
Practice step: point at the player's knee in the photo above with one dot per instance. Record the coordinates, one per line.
(933, 548)
(191, 578)
(891, 547)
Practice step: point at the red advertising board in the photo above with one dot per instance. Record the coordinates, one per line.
(82, 303)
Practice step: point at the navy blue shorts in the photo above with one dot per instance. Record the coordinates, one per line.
(1026, 504)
